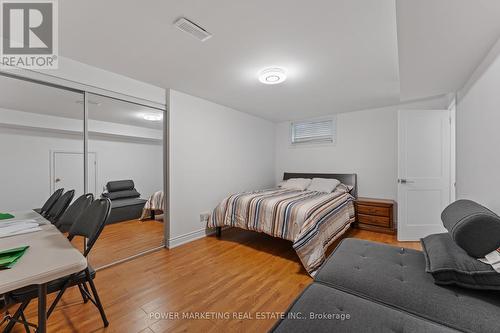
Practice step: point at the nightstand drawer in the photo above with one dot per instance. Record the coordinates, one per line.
(381, 221)
(373, 210)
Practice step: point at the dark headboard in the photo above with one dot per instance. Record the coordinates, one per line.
(344, 178)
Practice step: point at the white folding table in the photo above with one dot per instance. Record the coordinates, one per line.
(50, 256)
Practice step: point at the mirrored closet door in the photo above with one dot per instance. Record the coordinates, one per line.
(125, 165)
(55, 139)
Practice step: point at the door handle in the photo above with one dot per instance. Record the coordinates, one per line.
(57, 180)
(405, 181)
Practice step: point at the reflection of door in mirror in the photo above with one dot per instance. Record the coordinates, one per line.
(67, 171)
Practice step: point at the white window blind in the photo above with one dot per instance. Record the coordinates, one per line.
(314, 131)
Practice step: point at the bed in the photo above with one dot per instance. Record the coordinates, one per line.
(311, 220)
(154, 206)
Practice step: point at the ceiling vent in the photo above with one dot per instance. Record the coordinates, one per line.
(193, 29)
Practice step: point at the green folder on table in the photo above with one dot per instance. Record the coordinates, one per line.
(8, 258)
(6, 216)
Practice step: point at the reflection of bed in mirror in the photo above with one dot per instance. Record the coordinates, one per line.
(153, 209)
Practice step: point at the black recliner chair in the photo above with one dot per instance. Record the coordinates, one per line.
(126, 203)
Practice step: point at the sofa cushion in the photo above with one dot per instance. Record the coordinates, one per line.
(127, 202)
(450, 264)
(120, 185)
(122, 194)
(396, 277)
(473, 227)
(324, 309)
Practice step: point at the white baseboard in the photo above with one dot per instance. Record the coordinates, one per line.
(189, 237)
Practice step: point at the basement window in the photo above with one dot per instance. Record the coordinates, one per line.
(314, 131)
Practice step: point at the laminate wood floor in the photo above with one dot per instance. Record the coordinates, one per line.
(125, 239)
(241, 274)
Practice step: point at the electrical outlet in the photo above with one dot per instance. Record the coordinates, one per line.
(204, 217)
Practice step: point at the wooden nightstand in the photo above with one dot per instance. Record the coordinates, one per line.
(376, 215)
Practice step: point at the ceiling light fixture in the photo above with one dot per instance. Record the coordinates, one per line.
(152, 116)
(272, 75)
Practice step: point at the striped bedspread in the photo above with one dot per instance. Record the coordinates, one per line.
(155, 203)
(311, 220)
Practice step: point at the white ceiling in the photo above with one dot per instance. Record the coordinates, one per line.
(441, 42)
(342, 55)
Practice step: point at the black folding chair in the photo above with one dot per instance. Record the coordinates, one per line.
(90, 225)
(60, 207)
(50, 202)
(73, 212)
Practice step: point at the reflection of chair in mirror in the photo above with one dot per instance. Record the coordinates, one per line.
(126, 203)
(89, 224)
(50, 202)
(73, 212)
(60, 206)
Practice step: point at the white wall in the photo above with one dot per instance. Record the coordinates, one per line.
(366, 145)
(141, 162)
(25, 167)
(478, 140)
(214, 151)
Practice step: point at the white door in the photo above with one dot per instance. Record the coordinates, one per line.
(67, 172)
(424, 172)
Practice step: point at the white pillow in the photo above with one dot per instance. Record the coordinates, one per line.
(296, 184)
(342, 188)
(323, 185)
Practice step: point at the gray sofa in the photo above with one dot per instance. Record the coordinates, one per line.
(126, 203)
(387, 289)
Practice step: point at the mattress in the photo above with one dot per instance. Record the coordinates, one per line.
(311, 220)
